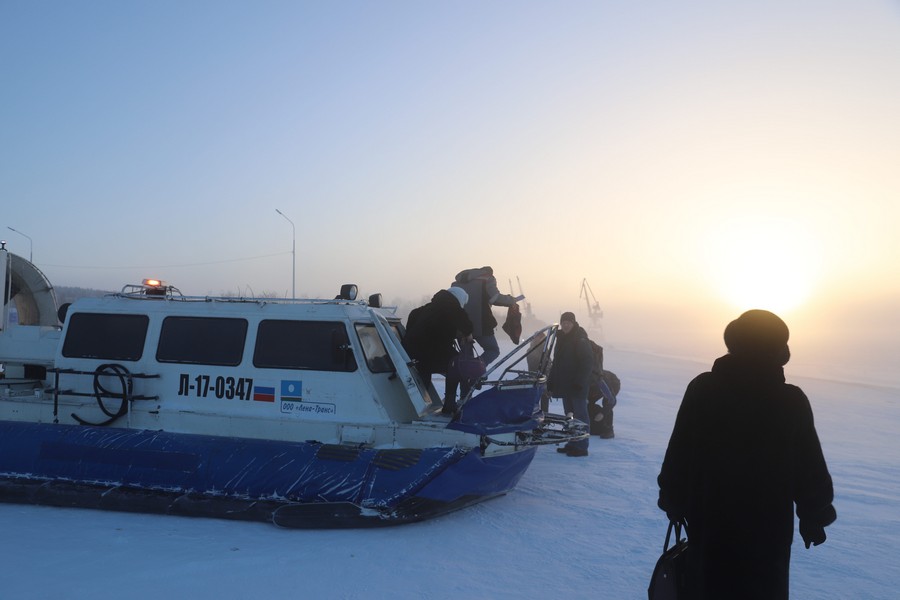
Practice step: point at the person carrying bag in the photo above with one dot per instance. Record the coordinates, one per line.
(464, 369)
(668, 579)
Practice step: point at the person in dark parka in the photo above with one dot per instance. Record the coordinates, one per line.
(431, 331)
(481, 287)
(744, 451)
(570, 375)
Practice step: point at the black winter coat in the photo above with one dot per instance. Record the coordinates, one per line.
(743, 452)
(570, 374)
(481, 286)
(431, 330)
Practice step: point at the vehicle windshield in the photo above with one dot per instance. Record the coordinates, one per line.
(376, 355)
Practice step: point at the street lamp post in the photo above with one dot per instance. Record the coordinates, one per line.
(30, 243)
(293, 254)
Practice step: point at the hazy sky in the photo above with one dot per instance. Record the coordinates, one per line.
(690, 159)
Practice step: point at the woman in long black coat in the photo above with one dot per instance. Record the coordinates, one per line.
(744, 451)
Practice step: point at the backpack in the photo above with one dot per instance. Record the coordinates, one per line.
(596, 369)
(604, 384)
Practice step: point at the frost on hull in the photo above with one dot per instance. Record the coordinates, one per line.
(290, 484)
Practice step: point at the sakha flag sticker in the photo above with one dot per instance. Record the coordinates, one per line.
(291, 390)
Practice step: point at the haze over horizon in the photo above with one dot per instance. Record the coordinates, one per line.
(690, 161)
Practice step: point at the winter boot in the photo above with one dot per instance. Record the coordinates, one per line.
(449, 406)
(605, 426)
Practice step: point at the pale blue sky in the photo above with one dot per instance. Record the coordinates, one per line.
(650, 147)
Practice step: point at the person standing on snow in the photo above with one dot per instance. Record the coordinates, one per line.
(481, 287)
(431, 331)
(570, 376)
(744, 451)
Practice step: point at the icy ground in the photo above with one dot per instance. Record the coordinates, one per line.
(573, 528)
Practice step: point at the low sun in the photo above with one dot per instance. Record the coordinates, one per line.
(763, 263)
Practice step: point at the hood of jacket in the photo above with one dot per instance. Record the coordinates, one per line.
(469, 274)
(445, 297)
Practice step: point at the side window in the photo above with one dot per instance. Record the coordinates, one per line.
(377, 358)
(202, 341)
(311, 345)
(106, 336)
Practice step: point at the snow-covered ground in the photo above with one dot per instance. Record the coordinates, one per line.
(573, 528)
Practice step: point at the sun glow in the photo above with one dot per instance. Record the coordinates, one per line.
(764, 263)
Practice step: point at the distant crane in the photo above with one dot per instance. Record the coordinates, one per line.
(595, 313)
(521, 293)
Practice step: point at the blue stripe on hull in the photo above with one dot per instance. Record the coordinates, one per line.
(157, 471)
(483, 477)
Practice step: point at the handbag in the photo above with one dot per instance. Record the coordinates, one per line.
(668, 580)
(467, 365)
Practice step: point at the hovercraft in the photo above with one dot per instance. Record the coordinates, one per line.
(304, 413)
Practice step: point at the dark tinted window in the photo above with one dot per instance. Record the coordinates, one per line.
(202, 341)
(314, 345)
(111, 337)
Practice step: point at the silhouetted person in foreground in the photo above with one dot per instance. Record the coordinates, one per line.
(743, 453)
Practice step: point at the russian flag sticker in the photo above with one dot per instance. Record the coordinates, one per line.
(264, 393)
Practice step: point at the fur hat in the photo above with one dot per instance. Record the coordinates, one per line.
(760, 334)
(460, 294)
(568, 316)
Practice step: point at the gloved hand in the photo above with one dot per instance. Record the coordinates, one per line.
(812, 534)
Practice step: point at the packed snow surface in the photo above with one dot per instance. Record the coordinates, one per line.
(573, 528)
